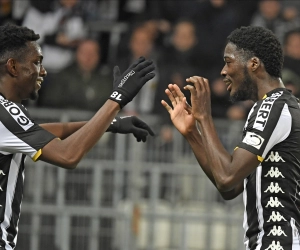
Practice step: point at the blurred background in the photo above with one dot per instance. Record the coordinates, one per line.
(126, 195)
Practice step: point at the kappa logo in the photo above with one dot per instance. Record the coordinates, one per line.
(274, 202)
(274, 173)
(17, 114)
(274, 157)
(276, 216)
(264, 111)
(274, 188)
(275, 246)
(129, 74)
(277, 231)
(253, 140)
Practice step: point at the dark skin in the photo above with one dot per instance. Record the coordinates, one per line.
(226, 171)
(21, 79)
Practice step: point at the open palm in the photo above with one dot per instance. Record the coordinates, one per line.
(180, 114)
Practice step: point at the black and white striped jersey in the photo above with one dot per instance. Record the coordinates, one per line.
(272, 192)
(20, 137)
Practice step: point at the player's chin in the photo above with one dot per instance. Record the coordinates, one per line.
(34, 95)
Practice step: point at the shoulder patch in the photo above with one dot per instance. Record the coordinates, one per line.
(253, 140)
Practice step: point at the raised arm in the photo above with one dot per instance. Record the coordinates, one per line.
(68, 152)
(184, 121)
(228, 170)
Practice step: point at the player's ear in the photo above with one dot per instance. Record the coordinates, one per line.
(11, 66)
(255, 62)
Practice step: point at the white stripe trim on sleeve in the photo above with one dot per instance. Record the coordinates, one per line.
(282, 130)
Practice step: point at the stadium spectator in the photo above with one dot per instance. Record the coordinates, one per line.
(265, 164)
(273, 16)
(61, 31)
(140, 44)
(291, 66)
(86, 80)
(214, 19)
(60, 144)
(5, 11)
(177, 61)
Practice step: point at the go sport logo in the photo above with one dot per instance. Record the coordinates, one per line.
(17, 114)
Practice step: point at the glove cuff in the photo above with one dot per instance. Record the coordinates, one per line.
(119, 97)
(114, 125)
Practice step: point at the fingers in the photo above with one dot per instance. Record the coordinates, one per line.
(166, 105)
(191, 88)
(187, 106)
(147, 68)
(141, 124)
(144, 67)
(148, 77)
(200, 84)
(141, 59)
(140, 134)
(177, 92)
(175, 96)
(172, 97)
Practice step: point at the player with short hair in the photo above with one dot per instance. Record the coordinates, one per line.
(61, 144)
(265, 166)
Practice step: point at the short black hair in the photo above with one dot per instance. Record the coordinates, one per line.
(13, 40)
(262, 43)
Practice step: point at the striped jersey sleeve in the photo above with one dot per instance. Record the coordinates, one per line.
(269, 122)
(19, 133)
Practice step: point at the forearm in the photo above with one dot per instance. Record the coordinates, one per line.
(218, 158)
(63, 130)
(81, 141)
(68, 152)
(196, 143)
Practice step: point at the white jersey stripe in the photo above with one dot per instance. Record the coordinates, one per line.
(281, 131)
(13, 144)
(249, 115)
(10, 192)
(259, 208)
(296, 236)
(245, 223)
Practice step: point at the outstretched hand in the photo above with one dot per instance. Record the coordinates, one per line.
(127, 85)
(200, 97)
(180, 112)
(131, 124)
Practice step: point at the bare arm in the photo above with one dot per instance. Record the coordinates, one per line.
(68, 152)
(228, 170)
(197, 145)
(64, 129)
(184, 121)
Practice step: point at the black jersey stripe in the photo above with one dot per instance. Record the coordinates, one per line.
(272, 196)
(12, 230)
(13, 189)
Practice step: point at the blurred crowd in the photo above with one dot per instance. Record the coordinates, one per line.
(183, 37)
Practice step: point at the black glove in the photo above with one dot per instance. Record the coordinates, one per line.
(131, 124)
(128, 84)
